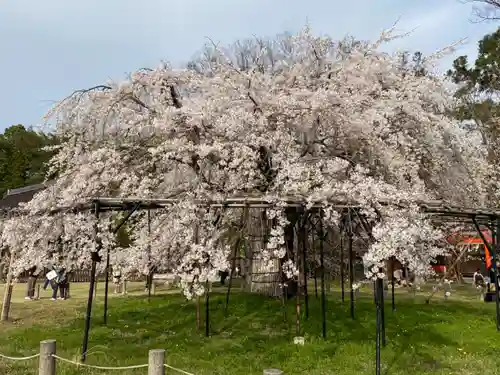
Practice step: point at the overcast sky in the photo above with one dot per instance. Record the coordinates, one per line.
(49, 48)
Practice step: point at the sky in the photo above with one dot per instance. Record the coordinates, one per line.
(50, 48)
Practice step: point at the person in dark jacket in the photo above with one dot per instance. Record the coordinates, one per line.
(62, 281)
(30, 288)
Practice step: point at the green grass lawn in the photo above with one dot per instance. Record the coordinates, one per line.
(457, 336)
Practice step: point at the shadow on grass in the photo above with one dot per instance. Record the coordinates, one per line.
(421, 338)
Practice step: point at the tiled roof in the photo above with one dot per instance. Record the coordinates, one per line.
(20, 195)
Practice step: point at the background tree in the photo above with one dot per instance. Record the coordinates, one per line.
(23, 157)
(413, 63)
(478, 90)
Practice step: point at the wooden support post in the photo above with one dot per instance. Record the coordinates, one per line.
(47, 363)
(446, 275)
(156, 362)
(124, 287)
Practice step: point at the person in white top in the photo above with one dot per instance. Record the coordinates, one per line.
(478, 279)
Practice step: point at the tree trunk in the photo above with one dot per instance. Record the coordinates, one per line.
(255, 241)
(460, 278)
(7, 297)
(264, 275)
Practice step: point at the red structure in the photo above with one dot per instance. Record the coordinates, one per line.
(474, 244)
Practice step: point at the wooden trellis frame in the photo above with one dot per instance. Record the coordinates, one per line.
(437, 211)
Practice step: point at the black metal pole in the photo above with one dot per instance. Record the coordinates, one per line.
(351, 266)
(106, 283)
(495, 272)
(322, 264)
(492, 251)
(492, 227)
(315, 283)
(342, 270)
(382, 311)
(150, 276)
(106, 288)
(379, 326)
(88, 315)
(283, 291)
(125, 219)
(392, 286)
(313, 245)
(231, 275)
(207, 310)
(303, 233)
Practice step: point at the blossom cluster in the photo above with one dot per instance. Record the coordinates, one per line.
(316, 123)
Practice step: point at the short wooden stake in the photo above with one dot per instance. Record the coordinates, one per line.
(47, 364)
(156, 363)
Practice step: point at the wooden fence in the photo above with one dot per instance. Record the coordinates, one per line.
(80, 276)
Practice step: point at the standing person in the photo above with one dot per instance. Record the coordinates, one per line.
(30, 288)
(51, 278)
(478, 279)
(62, 283)
(223, 276)
(478, 282)
(117, 276)
(491, 282)
(398, 276)
(149, 278)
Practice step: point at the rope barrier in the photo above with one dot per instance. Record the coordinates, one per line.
(98, 367)
(178, 370)
(78, 364)
(19, 358)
